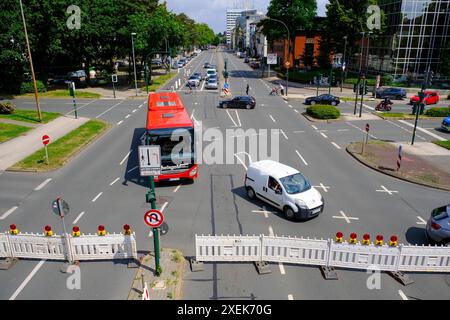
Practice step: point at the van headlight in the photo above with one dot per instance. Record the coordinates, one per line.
(301, 204)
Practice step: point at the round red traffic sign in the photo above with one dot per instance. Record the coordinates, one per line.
(45, 139)
(367, 127)
(153, 218)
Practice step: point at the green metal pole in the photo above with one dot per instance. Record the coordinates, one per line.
(357, 93)
(146, 75)
(329, 81)
(158, 269)
(362, 97)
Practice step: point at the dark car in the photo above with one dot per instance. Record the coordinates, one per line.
(79, 77)
(247, 102)
(323, 99)
(391, 93)
(206, 65)
(197, 75)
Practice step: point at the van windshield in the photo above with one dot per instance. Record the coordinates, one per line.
(295, 183)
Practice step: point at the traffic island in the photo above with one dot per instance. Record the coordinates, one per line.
(168, 286)
(414, 167)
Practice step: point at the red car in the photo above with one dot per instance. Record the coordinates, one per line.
(431, 97)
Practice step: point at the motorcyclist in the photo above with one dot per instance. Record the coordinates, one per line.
(386, 101)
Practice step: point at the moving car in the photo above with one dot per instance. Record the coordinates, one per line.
(211, 83)
(446, 124)
(432, 97)
(284, 188)
(323, 99)
(392, 93)
(198, 75)
(438, 226)
(194, 81)
(210, 72)
(206, 65)
(247, 102)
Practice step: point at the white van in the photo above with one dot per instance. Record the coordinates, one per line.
(284, 188)
(210, 72)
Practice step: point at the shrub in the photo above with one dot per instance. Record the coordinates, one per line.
(323, 112)
(438, 112)
(387, 80)
(27, 87)
(7, 108)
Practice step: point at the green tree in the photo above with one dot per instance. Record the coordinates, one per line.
(308, 56)
(445, 60)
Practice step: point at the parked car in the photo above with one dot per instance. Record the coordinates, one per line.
(323, 99)
(284, 188)
(438, 226)
(180, 64)
(247, 102)
(194, 81)
(79, 77)
(255, 64)
(211, 84)
(446, 124)
(391, 93)
(432, 97)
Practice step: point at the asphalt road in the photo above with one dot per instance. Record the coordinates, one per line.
(102, 186)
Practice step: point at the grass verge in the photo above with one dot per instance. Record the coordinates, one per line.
(159, 81)
(9, 131)
(30, 116)
(353, 99)
(400, 116)
(63, 94)
(63, 149)
(443, 144)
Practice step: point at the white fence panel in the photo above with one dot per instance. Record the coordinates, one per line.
(5, 251)
(425, 258)
(37, 246)
(294, 250)
(358, 256)
(228, 248)
(110, 246)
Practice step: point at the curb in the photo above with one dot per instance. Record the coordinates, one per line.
(311, 119)
(405, 118)
(414, 181)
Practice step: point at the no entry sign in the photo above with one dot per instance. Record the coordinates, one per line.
(45, 139)
(153, 218)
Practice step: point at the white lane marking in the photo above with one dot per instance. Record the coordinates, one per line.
(343, 216)
(282, 132)
(271, 231)
(282, 271)
(296, 111)
(357, 128)
(423, 130)
(298, 153)
(164, 206)
(342, 130)
(79, 108)
(132, 169)
(140, 106)
(290, 297)
(120, 122)
(27, 279)
(290, 106)
(336, 145)
(125, 158)
(177, 188)
(314, 127)
(285, 101)
(78, 218)
(404, 297)
(324, 135)
(386, 190)
(114, 181)
(239, 119)
(109, 109)
(97, 196)
(272, 118)
(263, 211)
(368, 107)
(234, 122)
(43, 184)
(127, 116)
(325, 188)
(134, 111)
(203, 86)
(299, 131)
(422, 221)
(404, 129)
(241, 161)
(7, 213)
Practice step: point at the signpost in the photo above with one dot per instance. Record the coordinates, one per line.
(271, 59)
(61, 208)
(399, 159)
(45, 141)
(150, 160)
(366, 138)
(153, 218)
(72, 93)
(114, 80)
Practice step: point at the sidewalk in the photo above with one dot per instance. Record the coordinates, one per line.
(21, 147)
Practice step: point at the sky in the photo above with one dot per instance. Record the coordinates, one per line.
(213, 12)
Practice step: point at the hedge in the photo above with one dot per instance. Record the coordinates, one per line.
(27, 87)
(323, 112)
(438, 112)
(7, 108)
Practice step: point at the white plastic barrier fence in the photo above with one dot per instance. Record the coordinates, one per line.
(56, 247)
(322, 253)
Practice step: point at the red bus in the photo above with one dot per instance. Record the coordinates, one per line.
(169, 126)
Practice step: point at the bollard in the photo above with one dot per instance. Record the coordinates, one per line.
(353, 238)
(339, 237)
(13, 230)
(75, 231)
(366, 239)
(127, 230)
(379, 240)
(48, 231)
(393, 241)
(101, 230)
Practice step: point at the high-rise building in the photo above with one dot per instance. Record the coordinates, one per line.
(232, 15)
(416, 33)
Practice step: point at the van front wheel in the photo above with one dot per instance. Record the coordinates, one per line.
(251, 193)
(288, 212)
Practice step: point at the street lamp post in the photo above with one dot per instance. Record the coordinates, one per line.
(31, 63)
(343, 62)
(134, 63)
(359, 74)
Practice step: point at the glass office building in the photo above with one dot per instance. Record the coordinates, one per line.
(416, 32)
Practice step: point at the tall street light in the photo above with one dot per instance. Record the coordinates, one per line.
(359, 74)
(343, 62)
(31, 63)
(134, 63)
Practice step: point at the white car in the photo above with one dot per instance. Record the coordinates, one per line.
(211, 84)
(210, 72)
(284, 188)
